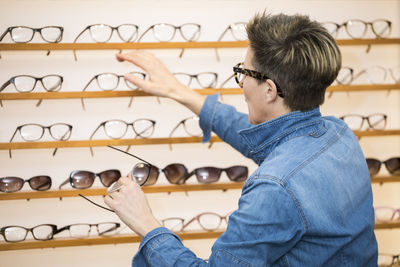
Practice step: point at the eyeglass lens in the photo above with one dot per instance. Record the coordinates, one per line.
(392, 165)
(26, 83)
(166, 32)
(356, 122)
(212, 174)
(33, 132)
(18, 233)
(101, 33)
(14, 184)
(24, 34)
(83, 230)
(204, 79)
(110, 81)
(239, 31)
(116, 129)
(386, 214)
(85, 179)
(387, 260)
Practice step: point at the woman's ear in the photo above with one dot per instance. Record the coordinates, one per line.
(271, 90)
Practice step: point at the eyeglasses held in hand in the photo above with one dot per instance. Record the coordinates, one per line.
(116, 129)
(101, 33)
(109, 81)
(209, 221)
(357, 29)
(33, 132)
(15, 233)
(238, 30)
(204, 79)
(80, 230)
(12, 184)
(388, 260)
(392, 165)
(27, 83)
(356, 122)
(84, 179)
(238, 71)
(386, 214)
(141, 178)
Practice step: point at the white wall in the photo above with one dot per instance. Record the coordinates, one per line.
(214, 16)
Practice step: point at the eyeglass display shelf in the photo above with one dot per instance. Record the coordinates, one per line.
(98, 240)
(102, 191)
(170, 188)
(126, 238)
(148, 141)
(205, 91)
(169, 45)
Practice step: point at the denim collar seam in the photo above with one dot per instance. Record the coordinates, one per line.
(309, 160)
(283, 184)
(289, 131)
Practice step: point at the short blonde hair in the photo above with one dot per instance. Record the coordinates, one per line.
(297, 54)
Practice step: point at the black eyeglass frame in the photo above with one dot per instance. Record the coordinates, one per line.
(47, 185)
(71, 181)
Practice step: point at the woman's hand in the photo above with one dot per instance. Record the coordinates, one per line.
(131, 206)
(161, 82)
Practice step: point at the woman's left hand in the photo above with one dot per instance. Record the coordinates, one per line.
(130, 204)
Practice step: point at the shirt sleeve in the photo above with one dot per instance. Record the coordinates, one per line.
(267, 224)
(265, 227)
(225, 121)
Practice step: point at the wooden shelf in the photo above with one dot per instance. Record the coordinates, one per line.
(146, 141)
(206, 91)
(168, 45)
(392, 225)
(102, 191)
(122, 239)
(385, 179)
(98, 240)
(105, 94)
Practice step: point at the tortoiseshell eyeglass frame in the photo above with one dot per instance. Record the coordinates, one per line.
(254, 74)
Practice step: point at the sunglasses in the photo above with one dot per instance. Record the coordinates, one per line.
(84, 179)
(392, 165)
(12, 184)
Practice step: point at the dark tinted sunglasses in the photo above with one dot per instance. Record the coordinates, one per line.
(84, 179)
(392, 165)
(11, 184)
(206, 175)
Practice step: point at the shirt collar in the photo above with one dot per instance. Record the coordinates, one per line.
(263, 137)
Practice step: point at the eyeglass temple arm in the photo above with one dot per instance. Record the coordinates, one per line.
(62, 229)
(62, 139)
(145, 161)
(116, 225)
(76, 39)
(16, 130)
(7, 83)
(141, 36)
(224, 82)
(173, 130)
(189, 222)
(91, 137)
(64, 183)
(219, 39)
(84, 89)
(3, 35)
(94, 203)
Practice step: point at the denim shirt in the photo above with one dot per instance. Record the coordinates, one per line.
(309, 203)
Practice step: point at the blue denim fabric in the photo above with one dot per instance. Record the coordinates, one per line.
(309, 203)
